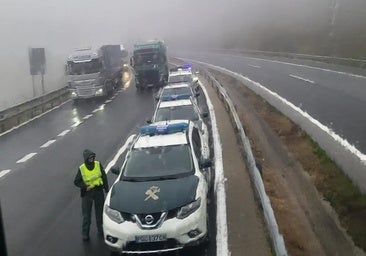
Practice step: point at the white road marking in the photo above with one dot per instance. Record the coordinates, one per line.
(119, 153)
(87, 117)
(4, 172)
(76, 124)
(221, 214)
(30, 120)
(303, 79)
(47, 143)
(254, 66)
(101, 107)
(299, 65)
(107, 101)
(26, 158)
(351, 148)
(64, 133)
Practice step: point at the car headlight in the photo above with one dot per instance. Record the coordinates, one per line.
(188, 209)
(113, 214)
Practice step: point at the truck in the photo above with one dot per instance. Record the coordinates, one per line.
(150, 64)
(95, 72)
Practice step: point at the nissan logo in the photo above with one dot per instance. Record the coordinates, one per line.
(149, 219)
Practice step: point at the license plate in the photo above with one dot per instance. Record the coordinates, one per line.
(150, 238)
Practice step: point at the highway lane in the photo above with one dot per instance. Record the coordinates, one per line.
(337, 99)
(41, 206)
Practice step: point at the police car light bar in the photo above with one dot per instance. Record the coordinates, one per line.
(182, 96)
(163, 129)
(184, 67)
(187, 66)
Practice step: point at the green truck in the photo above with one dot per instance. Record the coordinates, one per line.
(150, 64)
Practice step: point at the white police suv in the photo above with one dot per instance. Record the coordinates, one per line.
(182, 74)
(159, 200)
(174, 91)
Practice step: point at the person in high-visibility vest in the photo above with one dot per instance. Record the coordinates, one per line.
(92, 181)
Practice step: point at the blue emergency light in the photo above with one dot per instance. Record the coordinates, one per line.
(187, 66)
(171, 97)
(163, 129)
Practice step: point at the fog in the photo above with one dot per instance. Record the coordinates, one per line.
(309, 26)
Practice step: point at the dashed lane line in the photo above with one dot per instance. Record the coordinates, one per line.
(303, 79)
(254, 66)
(47, 143)
(4, 172)
(87, 117)
(64, 133)
(299, 65)
(76, 124)
(26, 158)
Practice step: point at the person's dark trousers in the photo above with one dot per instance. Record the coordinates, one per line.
(96, 196)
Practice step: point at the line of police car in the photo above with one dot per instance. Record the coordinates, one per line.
(158, 202)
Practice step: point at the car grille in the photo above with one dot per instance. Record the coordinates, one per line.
(85, 91)
(153, 246)
(158, 217)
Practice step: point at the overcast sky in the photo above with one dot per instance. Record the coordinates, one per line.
(61, 25)
(82, 22)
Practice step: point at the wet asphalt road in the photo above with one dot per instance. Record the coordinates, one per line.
(41, 206)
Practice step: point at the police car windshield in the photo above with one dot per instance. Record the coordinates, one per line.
(179, 78)
(176, 91)
(176, 113)
(156, 163)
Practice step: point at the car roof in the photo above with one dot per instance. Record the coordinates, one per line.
(177, 85)
(175, 103)
(161, 140)
(180, 72)
(147, 141)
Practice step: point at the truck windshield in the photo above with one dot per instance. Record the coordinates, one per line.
(146, 57)
(81, 68)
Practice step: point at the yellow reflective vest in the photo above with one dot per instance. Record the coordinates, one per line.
(92, 177)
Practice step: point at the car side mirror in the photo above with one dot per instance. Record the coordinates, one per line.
(197, 94)
(195, 79)
(116, 170)
(149, 121)
(204, 114)
(205, 163)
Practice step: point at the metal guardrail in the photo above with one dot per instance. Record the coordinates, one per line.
(276, 237)
(360, 63)
(19, 114)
